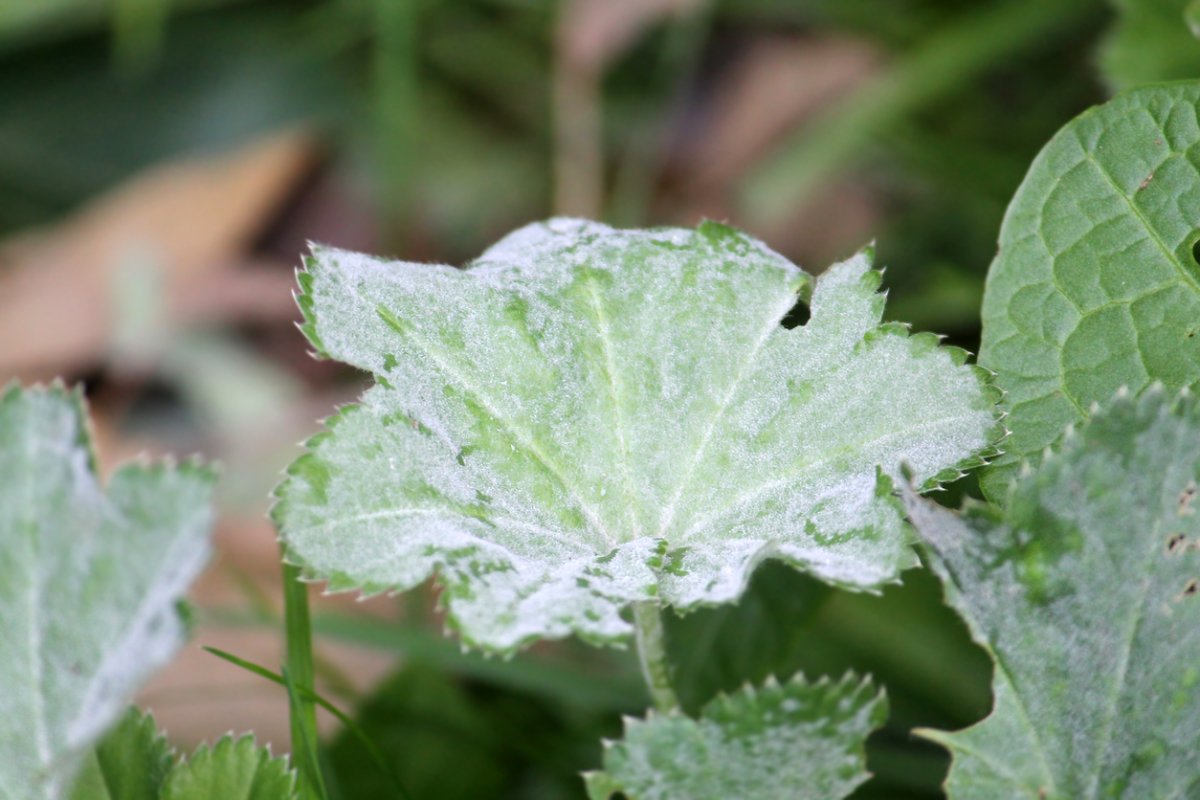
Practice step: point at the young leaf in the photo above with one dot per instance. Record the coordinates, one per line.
(1084, 591)
(130, 763)
(233, 768)
(134, 762)
(1095, 285)
(90, 584)
(1151, 41)
(588, 417)
(798, 741)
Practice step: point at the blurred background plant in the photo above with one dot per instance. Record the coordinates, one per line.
(162, 163)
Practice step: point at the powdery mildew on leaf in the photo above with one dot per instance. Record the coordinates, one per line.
(587, 417)
(797, 741)
(89, 584)
(1085, 591)
(1095, 286)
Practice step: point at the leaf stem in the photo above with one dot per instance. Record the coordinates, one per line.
(652, 655)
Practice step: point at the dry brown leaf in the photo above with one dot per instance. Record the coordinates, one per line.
(592, 33)
(776, 86)
(190, 220)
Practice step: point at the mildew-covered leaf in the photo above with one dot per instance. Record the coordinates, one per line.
(798, 741)
(1085, 591)
(89, 584)
(1095, 285)
(588, 417)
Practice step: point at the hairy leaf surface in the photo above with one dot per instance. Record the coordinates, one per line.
(1085, 591)
(1095, 286)
(89, 584)
(797, 741)
(588, 417)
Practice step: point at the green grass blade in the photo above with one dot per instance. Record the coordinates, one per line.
(299, 672)
(352, 726)
(304, 743)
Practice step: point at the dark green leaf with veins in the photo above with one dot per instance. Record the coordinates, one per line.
(1095, 286)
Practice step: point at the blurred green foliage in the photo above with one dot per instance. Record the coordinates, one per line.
(1153, 40)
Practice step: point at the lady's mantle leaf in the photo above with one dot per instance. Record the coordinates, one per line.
(232, 768)
(1085, 592)
(89, 584)
(798, 741)
(134, 762)
(130, 763)
(1095, 285)
(588, 417)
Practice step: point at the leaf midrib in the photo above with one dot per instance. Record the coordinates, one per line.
(1151, 231)
(1135, 624)
(520, 437)
(799, 470)
(602, 327)
(773, 320)
(36, 582)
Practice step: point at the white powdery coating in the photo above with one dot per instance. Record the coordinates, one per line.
(582, 393)
(1084, 593)
(793, 742)
(89, 584)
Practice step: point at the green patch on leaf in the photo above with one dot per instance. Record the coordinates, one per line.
(796, 741)
(586, 417)
(90, 584)
(1084, 590)
(1096, 286)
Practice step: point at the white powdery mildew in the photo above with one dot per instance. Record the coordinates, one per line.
(623, 399)
(797, 741)
(92, 582)
(1083, 593)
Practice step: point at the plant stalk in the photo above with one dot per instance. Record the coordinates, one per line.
(652, 655)
(301, 676)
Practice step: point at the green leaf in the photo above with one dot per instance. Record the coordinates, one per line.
(135, 762)
(1084, 591)
(89, 584)
(589, 417)
(233, 769)
(131, 763)
(798, 741)
(1095, 286)
(1151, 41)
